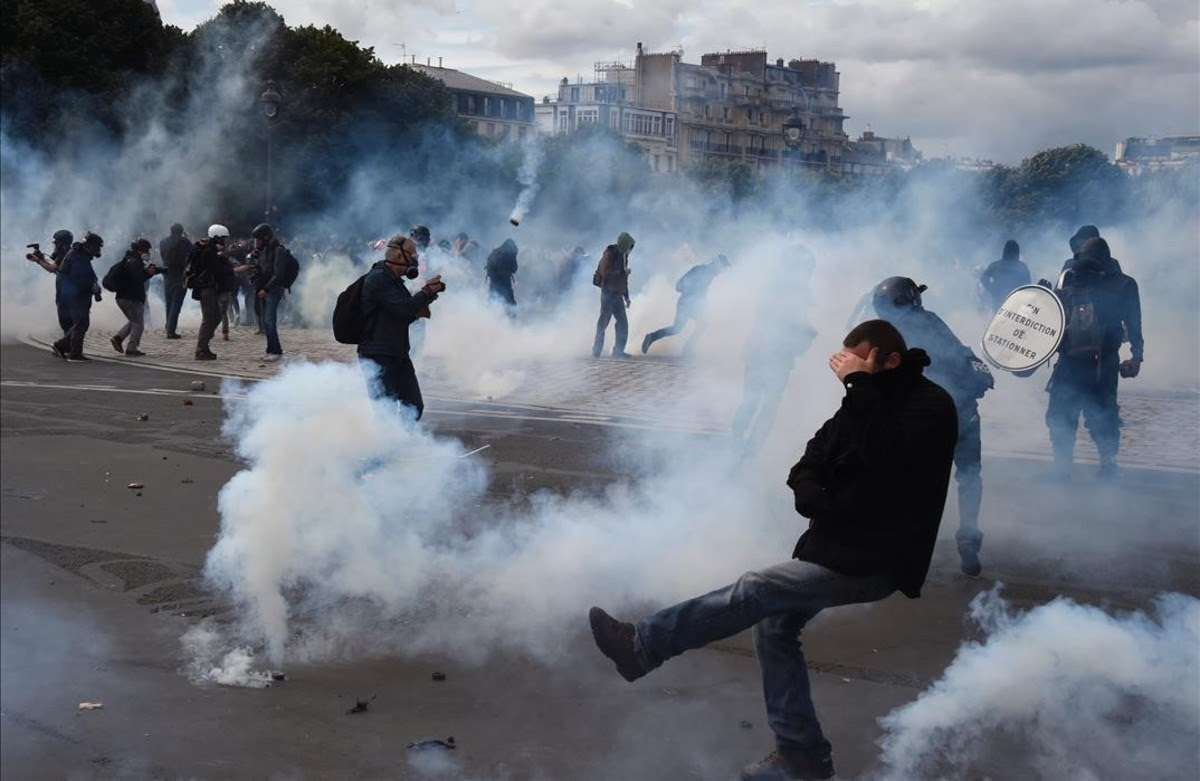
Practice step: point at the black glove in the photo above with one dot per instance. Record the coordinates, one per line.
(1046, 283)
(1129, 369)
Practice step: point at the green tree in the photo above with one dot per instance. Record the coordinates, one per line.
(1068, 185)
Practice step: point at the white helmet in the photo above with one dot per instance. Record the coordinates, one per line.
(217, 230)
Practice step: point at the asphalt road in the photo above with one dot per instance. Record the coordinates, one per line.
(100, 580)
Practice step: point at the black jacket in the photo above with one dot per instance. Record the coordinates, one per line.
(873, 479)
(132, 277)
(173, 250)
(953, 365)
(277, 267)
(388, 309)
(207, 268)
(1003, 277)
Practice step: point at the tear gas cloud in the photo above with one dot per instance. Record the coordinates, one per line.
(351, 532)
(1077, 692)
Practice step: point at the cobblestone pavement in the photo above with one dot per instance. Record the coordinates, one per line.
(1161, 428)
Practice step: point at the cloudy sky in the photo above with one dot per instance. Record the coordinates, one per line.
(997, 79)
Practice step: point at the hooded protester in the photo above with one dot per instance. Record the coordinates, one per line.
(500, 269)
(174, 251)
(1103, 310)
(79, 286)
(1004, 276)
(129, 283)
(872, 482)
(62, 245)
(1076, 242)
(966, 378)
(692, 288)
(612, 277)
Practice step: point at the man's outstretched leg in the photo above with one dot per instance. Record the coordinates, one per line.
(782, 597)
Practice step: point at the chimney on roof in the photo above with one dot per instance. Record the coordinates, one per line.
(439, 62)
(427, 63)
(639, 48)
(779, 62)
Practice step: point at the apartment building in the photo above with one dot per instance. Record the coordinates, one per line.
(1138, 155)
(730, 106)
(495, 110)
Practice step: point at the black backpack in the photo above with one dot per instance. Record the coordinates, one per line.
(349, 321)
(1085, 329)
(291, 270)
(112, 277)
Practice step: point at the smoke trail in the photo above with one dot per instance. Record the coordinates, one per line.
(1083, 694)
(527, 176)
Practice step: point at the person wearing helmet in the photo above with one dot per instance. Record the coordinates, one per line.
(692, 288)
(79, 287)
(207, 272)
(966, 378)
(62, 244)
(277, 272)
(174, 250)
(130, 277)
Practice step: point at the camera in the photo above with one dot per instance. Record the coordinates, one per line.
(37, 252)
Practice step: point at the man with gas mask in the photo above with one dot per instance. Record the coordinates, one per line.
(388, 309)
(79, 286)
(966, 378)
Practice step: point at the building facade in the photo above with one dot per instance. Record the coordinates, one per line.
(1137, 155)
(494, 110)
(730, 106)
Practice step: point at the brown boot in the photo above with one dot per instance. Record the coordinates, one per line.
(789, 765)
(615, 640)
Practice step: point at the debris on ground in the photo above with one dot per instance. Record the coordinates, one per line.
(197, 385)
(91, 705)
(96, 520)
(135, 486)
(188, 402)
(187, 480)
(422, 745)
(276, 675)
(747, 724)
(439, 676)
(143, 417)
(360, 706)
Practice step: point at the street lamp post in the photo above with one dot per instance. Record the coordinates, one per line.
(794, 132)
(269, 101)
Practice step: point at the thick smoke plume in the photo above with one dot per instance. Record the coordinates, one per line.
(1064, 691)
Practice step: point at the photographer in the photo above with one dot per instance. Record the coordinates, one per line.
(388, 310)
(62, 244)
(78, 287)
(129, 283)
(207, 273)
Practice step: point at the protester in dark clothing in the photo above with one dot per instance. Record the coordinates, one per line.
(612, 277)
(569, 267)
(501, 268)
(174, 251)
(873, 483)
(1103, 310)
(388, 310)
(130, 282)
(208, 271)
(1076, 242)
(692, 288)
(79, 287)
(277, 272)
(62, 245)
(1005, 275)
(966, 378)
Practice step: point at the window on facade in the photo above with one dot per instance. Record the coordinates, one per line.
(670, 164)
(574, 94)
(670, 126)
(725, 113)
(614, 119)
(503, 108)
(656, 125)
(487, 107)
(470, 104)
(588, 115)
(564, 122)
(655, 165)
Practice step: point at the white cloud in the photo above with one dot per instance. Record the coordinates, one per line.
(994, 78)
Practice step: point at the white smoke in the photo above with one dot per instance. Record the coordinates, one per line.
(527, 177)
(1064, 691)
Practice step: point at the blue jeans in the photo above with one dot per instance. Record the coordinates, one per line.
(270, 320)
(777, 601)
